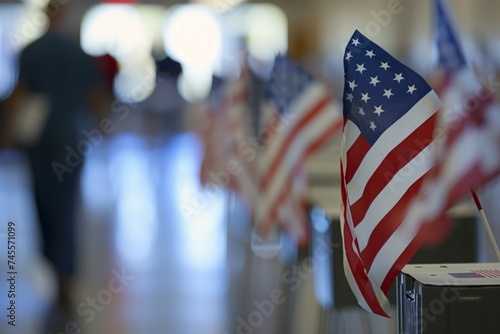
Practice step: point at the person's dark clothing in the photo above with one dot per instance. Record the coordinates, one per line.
(57, 68)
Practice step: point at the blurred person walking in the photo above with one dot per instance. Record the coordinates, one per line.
(55, 68)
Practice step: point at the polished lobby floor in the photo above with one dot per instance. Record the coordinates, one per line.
(184, 257)
(131, 224)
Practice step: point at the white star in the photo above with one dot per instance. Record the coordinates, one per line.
(372, 125)
(349, 97)
(360, 68)
(348, 56)
(370, 54)
(374, 81)
(361, 112)
(379, 110)
(411, 89)
(388, 93)
(385, 65)
(352, 84)
(355, 42)
(365, 97)
(398, 77)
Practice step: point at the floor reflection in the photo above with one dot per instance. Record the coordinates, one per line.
(131, 223)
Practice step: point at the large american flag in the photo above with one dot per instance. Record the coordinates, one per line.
(387, 150)
(303, 120)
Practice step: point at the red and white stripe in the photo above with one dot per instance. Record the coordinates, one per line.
(378, 183)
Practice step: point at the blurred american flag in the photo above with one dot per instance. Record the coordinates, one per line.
(304, 119)
(469, 155)
(223, 126)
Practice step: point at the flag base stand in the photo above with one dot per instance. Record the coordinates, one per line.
(449, 299)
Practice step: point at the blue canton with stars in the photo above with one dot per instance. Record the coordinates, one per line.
(378, 89)
(287, 81)
(451, 57)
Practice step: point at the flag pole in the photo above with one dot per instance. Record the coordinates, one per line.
(485, 222)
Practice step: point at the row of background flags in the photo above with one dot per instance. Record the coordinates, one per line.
(272, 175)
(406, 157)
